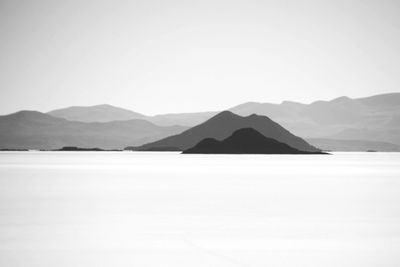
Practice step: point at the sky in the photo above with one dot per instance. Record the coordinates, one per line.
(180, 56)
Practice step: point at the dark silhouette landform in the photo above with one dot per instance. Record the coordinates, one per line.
(341, 124)
(223, 125)
(244, 141)
(74, 148)
(361, 121)
(160, 149)
(373, 118)
(13, 149)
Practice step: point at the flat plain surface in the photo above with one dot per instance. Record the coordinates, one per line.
(168, 209)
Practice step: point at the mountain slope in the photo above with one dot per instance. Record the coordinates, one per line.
(372, 118)
(223, 125)
(35, 130)
(99, 113)
(107, 113)
(243, 141)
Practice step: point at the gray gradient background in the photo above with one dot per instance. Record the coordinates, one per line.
(176, 56)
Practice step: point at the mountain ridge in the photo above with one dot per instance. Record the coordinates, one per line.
(373, 118)
(36, 130)
(96, 113)
(244, 141)
(223, 125)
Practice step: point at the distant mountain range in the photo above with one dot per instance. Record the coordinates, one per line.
(370, 123)
(222, 126)
(108, 113)
(99, 113)
(375, 118)
(35, 130)
(243, 141)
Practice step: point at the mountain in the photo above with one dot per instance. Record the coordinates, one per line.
(243, 141)
(283, 110)
(35, 130)
(352, 145)
(99, 113)
(107, 113)
(223, 125)
(374, 118)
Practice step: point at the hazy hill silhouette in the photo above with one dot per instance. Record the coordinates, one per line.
(76, 149)
(374, 118)
(359, 120)
(223, 125)
(243, 141)
(98, 113)
(35, 130)
(107, 113)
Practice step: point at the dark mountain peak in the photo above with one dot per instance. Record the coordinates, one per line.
(246, 133)
(223, 125)
(230, 119)
(255, 117)
(222, 116)
(244, 141)
(230, 115)
(225, 114)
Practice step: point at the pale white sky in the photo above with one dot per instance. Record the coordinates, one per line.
(175, 56)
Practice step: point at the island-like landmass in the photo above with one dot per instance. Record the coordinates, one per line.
(74, 148)
(244, 141)
(222, 126)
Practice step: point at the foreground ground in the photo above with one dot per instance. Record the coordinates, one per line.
(168, 209)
